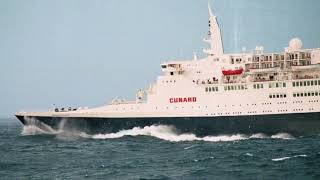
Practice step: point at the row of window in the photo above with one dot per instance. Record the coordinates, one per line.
(235, 105)
(283, 110)
(277, 85)
(274, 85)
(266, 103)
(297, 109)
(258, 86)
(297, 102)
(171, 81)
(271, 96)
(235, 87)
(306, 83)
(212, 89)
(267, 111)
(261, 86)
(252, 112)
(281, 102)
(304, 94)
(278, 95)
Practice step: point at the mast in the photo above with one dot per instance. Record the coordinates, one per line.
(214, 36)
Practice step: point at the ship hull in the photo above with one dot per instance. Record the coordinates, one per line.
(296, 124)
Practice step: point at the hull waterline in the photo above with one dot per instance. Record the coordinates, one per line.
(295, 124)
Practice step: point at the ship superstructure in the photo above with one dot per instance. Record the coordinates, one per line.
(245, 85)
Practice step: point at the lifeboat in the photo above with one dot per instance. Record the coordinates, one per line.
(232, 72)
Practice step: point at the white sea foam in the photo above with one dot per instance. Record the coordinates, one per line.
(35, 127)
(281, 159)
(162, 132)
(301, 155)
(249, 154)
(284, 158)
(282, 136)
(167, 133)
(32, 130)
(186, 148)
(259, 136)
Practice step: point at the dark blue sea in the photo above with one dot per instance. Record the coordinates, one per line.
(154, 152)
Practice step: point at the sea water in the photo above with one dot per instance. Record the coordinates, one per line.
(153, 152)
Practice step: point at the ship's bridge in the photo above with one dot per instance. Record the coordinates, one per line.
(172, 68)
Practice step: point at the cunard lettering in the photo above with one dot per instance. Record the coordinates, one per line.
(183, 99)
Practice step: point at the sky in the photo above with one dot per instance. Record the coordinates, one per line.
(86, 52)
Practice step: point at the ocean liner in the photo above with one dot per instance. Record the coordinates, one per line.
(222, 93)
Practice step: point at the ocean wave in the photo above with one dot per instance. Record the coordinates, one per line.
(280, 159)
(168, 133)
(287, 157)
(282, 136)
(259, 136)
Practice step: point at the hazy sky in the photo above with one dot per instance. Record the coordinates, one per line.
(85, 52)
